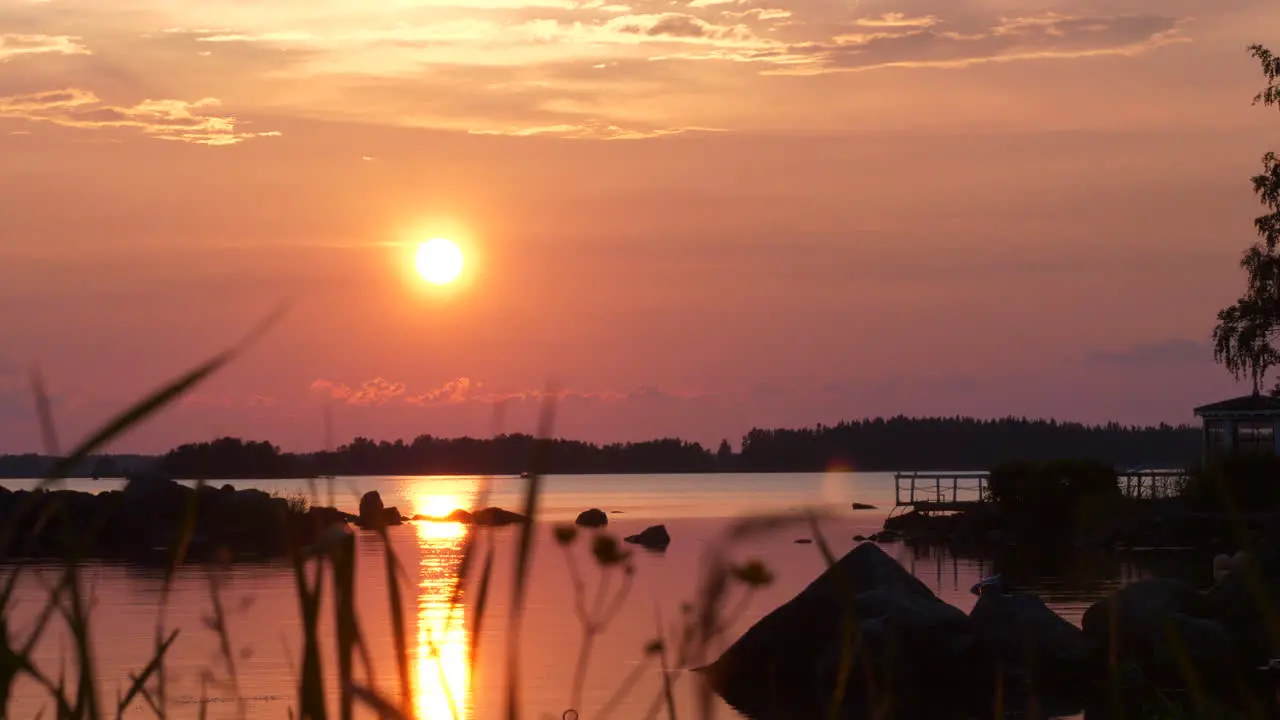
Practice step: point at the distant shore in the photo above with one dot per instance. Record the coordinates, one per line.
(877, 445)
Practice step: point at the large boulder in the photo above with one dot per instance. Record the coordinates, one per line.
(496, 517)
(592, 518)
(868, 609)
(459, 516)
(1195, 645)
(1148, 623)
(1030, 642)
(392, 516)
(371, 510)
(655, 537)
(1245, 600)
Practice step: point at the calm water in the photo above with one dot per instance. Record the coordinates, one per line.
(265, 629)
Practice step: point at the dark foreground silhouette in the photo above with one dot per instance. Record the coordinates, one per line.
(867, 639)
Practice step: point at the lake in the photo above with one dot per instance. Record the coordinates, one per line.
(263, 614)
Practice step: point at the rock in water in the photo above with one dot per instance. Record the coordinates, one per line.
(1163, 627)
(391, 516)
(1244, 608)
(371, 510)
(653, 538)
(592, 518)
(863, 506)
(787, 665)
(1198, 645)
(459, 516)
(496, 517)
(1030, 641)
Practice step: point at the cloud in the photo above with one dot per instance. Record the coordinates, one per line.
(585, 69)
(177, 120)
(897, 20)
(912, 43)
(377, 391)
(591, 130)
(455, 391)
(18, 45)
(1161, 353)
(676, 25)
(380, 391)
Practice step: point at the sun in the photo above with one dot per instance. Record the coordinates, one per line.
(436, 505)
(439, 261)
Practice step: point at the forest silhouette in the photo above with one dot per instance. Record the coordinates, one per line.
(880, 444)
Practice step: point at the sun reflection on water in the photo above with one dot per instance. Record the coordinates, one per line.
(442, 664)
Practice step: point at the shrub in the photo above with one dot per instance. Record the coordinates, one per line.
(1054, 493)
(1234, 483)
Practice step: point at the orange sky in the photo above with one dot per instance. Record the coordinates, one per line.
(696, 216)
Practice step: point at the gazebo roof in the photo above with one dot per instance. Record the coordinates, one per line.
(1243, 405)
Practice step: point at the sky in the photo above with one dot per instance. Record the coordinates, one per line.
(685, 217)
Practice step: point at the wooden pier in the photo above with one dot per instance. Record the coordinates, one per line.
(954, 491)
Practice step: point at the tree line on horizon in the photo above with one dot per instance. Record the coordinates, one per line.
(872, 445)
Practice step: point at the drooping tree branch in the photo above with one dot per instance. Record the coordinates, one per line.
(1243, 338)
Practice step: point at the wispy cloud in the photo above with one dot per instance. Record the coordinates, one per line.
(585, 69)
(177, 120)
(1160, 353)
(590, 130)
(377, 391)
(897, 20)
(380, 391)
(929, 42)
(14, 46)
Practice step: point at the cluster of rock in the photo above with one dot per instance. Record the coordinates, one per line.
(148, 520)
(903, 652)
(654, 538)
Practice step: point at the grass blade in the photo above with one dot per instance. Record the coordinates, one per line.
(399, 634)
(482, 601)
(140, 681)
(158, 399)
(384, 709)
(344, 620)
(537, 465)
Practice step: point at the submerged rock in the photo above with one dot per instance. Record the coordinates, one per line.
(592, 518)
(496, 517)
(652, 538)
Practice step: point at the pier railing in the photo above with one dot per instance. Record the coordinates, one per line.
(941, 491)
(912, 489)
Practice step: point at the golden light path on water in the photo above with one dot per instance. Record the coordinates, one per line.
(441, 662)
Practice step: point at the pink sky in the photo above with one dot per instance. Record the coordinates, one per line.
(696, 216)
